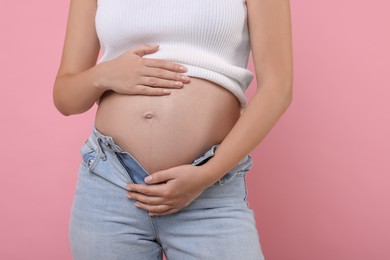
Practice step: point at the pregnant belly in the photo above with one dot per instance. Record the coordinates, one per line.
(171, 130)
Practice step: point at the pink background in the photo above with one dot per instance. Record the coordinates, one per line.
(320, 182)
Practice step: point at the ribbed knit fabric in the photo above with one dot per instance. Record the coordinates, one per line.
(209, 37)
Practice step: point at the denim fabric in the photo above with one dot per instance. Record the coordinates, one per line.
(105, 224)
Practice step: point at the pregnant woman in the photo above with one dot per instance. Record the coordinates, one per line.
(171, 107)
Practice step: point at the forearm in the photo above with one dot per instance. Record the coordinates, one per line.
(260, 115)
(75, 94)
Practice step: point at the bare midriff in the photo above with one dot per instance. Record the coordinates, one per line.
(166, 131)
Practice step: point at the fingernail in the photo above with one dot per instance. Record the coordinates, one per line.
(128, 188)
(148, 179)
(183, 68)
(185, 78)
(179, 83)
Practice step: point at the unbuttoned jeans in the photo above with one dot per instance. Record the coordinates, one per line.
(106, 225)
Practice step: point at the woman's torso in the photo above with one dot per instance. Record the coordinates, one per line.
(166, 131)
(211, 39)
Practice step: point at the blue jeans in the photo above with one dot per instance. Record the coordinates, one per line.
(106, 225)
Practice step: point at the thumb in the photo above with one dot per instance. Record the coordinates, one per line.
(143, 49)
(160, 176)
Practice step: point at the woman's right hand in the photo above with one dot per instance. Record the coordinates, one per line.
(132, 74)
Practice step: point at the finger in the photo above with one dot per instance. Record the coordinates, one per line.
(156, 82)
(149, 91)
(160, 176)
(143, 49)
(163, 74)
(151, 190)
(150, 200)
(153, 208)
(164, 64)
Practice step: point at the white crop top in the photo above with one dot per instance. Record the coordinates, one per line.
(209, 37)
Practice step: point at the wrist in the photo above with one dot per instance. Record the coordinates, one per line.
(99, 82)
(207, 176)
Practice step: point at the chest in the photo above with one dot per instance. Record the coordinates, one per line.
(180, 20)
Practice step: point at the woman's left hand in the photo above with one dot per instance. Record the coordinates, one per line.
(169, 190)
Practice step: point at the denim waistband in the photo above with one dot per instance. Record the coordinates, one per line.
(102, 143)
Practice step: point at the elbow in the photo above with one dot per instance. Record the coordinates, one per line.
(282, 89)
(64, 113)
(59, 103)
(285, 89)
(65, 107)
(289, 93)
(60, 108)
(288, 87)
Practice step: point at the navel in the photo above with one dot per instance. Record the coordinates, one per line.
(148, 115)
